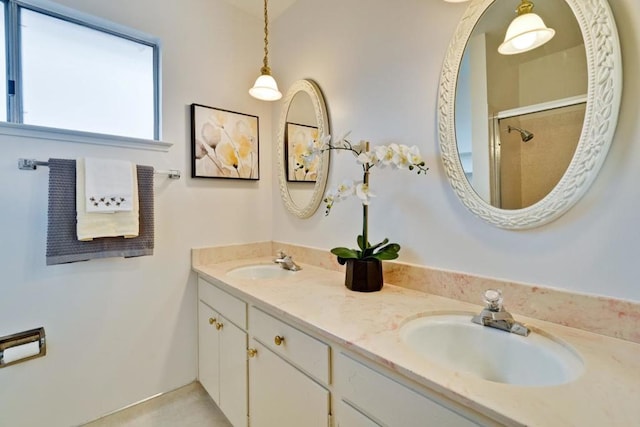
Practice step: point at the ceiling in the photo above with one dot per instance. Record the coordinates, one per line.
(256, 7)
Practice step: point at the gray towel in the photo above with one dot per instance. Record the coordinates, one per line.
(63, 245)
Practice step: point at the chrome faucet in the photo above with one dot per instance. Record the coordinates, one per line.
(286, 262)
(495, 316)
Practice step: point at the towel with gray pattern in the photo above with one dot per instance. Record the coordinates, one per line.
(63, 245)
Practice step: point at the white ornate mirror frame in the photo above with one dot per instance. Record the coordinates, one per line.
(322, 120)
(603, 102)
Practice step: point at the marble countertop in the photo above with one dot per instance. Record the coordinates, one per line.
(606, 394)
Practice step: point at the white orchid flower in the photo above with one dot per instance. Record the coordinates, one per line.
(413, 154)
(384, 155)
(397, 156)
(367, 157)
(340, 142)
(363, 193)
(329, 200)
(360, 147)
(330, 196)
(345, 189)
(401, 157)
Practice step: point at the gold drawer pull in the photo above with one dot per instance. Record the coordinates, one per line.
(278, 340)
(252, 352)
(212, 320)
(219, 326)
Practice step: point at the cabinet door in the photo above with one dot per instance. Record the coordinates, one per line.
(208, 351)
(233, 373)
(348, 416)
(388, 401)
(281, 395)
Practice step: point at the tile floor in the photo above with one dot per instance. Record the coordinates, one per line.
(188, 406)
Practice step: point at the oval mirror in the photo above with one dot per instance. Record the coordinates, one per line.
(524, 135)
(303, 123)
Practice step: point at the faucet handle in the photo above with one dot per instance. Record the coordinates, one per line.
(280, 254)
(493, 299)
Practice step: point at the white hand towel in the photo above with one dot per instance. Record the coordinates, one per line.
(108, 185)
(92, 225)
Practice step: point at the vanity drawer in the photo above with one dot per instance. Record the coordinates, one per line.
(234, 309)
(304, 351)
(387, 401)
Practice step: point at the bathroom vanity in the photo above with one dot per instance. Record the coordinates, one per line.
(301, 349)
(289, 378)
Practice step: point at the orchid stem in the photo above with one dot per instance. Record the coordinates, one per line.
(365, 227)
(365, 208)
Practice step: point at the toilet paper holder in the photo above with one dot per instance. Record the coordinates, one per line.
(21, 339)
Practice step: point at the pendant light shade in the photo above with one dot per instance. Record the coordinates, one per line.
(526, 32)
(265, 88)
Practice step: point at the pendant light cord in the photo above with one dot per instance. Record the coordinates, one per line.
(265, 69)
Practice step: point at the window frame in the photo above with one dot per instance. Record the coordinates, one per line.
(14, 125)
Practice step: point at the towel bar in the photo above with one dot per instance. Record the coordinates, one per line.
(31, 164)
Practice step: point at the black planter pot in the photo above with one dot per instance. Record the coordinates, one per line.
(364, 275)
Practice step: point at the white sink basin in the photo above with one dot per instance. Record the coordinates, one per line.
(453, 341)
(260, 271)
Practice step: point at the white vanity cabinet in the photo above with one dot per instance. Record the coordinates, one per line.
(222, 349)
(266, 370)
(288, 375)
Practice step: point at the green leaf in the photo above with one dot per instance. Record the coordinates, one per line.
(388, 252)
(376, 246)
(361, 243)
(367, 253)
(345, 253)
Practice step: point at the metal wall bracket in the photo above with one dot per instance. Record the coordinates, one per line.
(20, 339)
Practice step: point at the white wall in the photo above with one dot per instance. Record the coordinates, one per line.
(122, 330)
(378, 63)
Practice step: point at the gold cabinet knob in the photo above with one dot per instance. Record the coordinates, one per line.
(252, 352)
(278, 340)
(212, 320)
(219, 326)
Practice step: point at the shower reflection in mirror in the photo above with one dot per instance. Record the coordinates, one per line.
(525, 154)
(530, 152)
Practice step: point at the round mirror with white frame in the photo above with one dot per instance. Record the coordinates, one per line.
(303, 122)
(497, 113)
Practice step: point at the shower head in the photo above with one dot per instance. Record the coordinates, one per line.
(524, 134)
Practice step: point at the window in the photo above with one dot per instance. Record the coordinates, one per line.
(74, 72)
(3, 68)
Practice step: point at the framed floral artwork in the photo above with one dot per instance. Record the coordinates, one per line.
(224, 144)
(300, 141)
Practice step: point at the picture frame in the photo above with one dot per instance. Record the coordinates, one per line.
(224, 144)
(300, 166)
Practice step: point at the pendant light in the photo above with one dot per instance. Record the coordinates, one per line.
(526, 32)
(265, 88)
